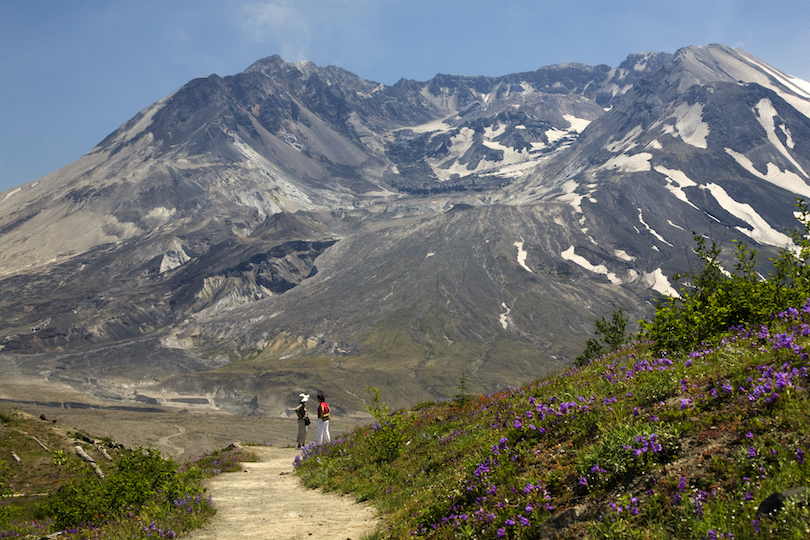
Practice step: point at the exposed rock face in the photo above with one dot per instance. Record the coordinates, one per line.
(296, 226)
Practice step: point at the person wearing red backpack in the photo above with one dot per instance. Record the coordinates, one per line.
(324, 415)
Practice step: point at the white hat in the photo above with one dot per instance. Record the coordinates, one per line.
(304, 397)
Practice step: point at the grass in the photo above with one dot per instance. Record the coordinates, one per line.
(636, 444)
(142, 494)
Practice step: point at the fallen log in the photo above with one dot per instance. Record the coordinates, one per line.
(40, 443)
(90, 461)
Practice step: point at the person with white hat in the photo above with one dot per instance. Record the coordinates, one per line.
(303, 419)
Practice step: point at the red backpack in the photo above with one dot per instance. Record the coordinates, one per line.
(325, 415)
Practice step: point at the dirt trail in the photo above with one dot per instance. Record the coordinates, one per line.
(268, 501)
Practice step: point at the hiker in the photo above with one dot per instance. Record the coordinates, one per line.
(324, 415)
(303, 419)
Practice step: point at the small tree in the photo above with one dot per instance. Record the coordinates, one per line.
(387, 430)
(610, 335)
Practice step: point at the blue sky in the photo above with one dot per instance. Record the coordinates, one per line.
(71, 72)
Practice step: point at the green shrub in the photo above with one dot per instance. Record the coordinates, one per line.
(386, 434)
(714, 299)
(141, 476)
(613, 335)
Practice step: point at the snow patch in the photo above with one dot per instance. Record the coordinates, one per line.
(761, 231)
(676, 181)
(798, 94)
(655, 144)
(627, 143)
(504, 316)
(512, 164)
(766, 114)
(620, 253)
(791, 144)
(12, 192)
(160, 213)
(630, 164)
(651, 230)
(676, 226)
(174, 257)
(787, 180)
(521, 255)
(569, 255)
(657, 281)
(570, 197)
(577, 124)
(431, 254)
(689, 124)
(553, 135)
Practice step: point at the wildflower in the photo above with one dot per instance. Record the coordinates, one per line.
(752, 452)
(583, 481)
(800, 456)
(501, 533)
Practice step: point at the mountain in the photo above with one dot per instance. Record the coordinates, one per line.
(296, 227)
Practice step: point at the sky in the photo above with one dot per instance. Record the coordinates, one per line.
(71, 72)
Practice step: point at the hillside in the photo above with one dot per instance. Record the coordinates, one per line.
(58, 481)
(651, 440)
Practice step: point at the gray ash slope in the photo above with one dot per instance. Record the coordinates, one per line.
(296, 225)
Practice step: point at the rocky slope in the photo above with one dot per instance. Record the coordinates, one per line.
(296, 227)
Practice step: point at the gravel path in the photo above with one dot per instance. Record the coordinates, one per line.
(268, 501)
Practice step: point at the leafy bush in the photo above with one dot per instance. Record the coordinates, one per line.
(714, 299)
(140, 477)
(612, 337)
(386, 434)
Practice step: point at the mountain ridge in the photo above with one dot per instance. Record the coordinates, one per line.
(304, 222)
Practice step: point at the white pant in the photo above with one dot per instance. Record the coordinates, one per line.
(323, 432)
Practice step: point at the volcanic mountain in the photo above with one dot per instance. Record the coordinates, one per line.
(296, 227)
